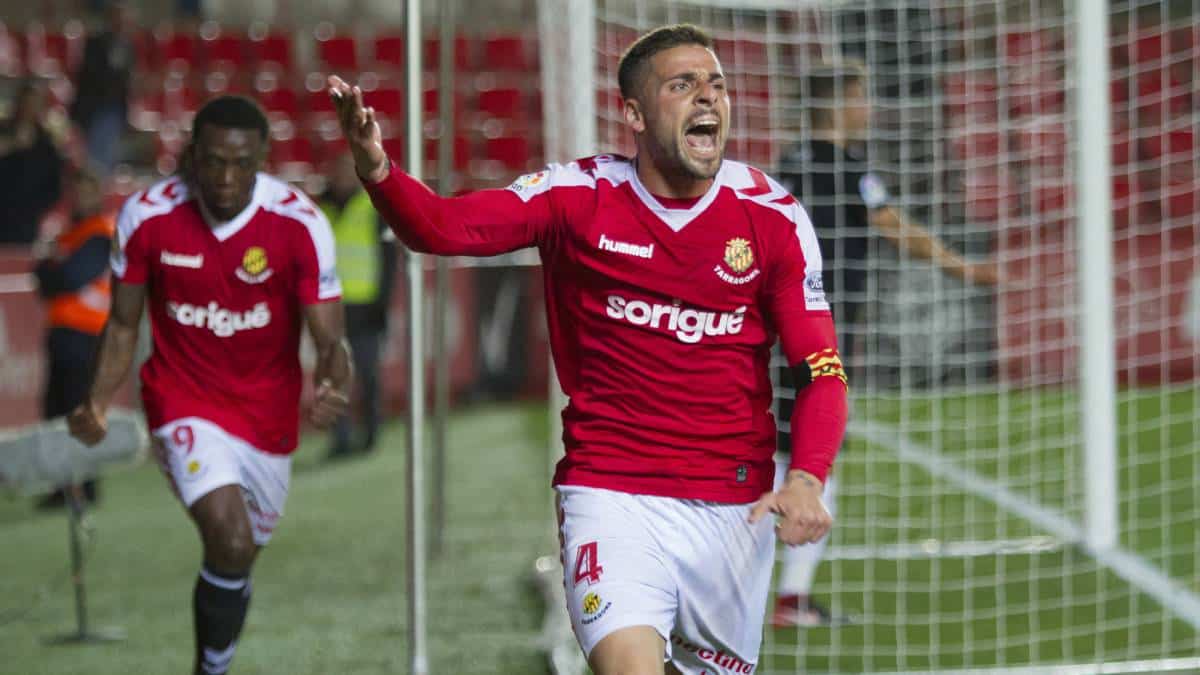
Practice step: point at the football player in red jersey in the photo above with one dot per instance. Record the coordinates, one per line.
(668, 278)
(230, 262)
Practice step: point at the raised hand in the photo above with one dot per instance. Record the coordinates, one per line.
(360, 129)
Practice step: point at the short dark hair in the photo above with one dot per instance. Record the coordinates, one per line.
(231, 112)
(826, 82)
(634, 60)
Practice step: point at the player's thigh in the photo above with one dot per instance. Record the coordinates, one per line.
(197, 458)
(723, 564)
(635, 650)
(265, 481)
(614, 568)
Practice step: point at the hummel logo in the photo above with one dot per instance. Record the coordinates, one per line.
(179, 260)
(623, 248)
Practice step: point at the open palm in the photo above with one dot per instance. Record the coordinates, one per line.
(360, 128)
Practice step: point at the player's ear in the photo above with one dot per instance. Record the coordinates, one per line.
(634, 115)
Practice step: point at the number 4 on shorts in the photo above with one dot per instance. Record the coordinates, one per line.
(587, 566)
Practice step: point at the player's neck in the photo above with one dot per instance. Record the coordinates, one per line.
(678, 186)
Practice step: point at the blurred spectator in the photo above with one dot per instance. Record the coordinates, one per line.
(103, 86)
(73, 280)
(366, 263)
(30, 166)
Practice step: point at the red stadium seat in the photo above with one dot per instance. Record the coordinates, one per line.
(280, 101)
(1150, 47)
(178, 50)
(742, 56)
(326, 150)
(430, 100)
(336, 53)
(461, 151)
(980, 145)
(1180, 143)
(1122, 147)
(463, 60)
(1043, 143)
(989, 196)
(272, 51)
(395, 149)
(507, 53)
(53, 53)
(1159, 93)
(294, 150)
(501, 103)
(226, 50)
(387, 101)
(1051, 198)
(1122, 196)
(511, 151)
(388, 51)
(971, 94)
(1180, 198)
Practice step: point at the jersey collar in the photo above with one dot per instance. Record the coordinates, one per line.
(223, 230)
(676, 219)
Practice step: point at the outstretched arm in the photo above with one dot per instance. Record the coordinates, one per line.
(333, 374)
(914, 239)
(483, 223)
(89, 422)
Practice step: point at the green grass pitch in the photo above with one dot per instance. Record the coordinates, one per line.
(329, 592)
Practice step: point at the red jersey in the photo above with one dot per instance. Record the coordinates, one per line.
(225, 304)
(661, 319)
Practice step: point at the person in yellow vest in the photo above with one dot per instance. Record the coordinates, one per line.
(73, 280)
(366, 263)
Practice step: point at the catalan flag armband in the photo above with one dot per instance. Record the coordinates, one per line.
(825, 363)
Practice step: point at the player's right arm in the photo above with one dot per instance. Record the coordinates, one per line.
(914, 239)
(130, 270)
(88, 422)
(482, 223)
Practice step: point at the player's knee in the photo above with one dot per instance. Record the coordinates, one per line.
(231, 550)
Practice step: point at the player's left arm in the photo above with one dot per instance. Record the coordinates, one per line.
(334, 374)
(796, 304)
(319, 292)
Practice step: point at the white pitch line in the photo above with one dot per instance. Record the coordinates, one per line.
(1127, 565)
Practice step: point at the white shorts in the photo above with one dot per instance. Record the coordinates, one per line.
(198, 457)
(695, 571)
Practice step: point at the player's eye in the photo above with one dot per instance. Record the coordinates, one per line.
(681, 85)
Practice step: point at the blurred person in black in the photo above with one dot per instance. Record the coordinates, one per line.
(73, 280)
(830, 174)
(103, 84)
(366, 263)
(31, 167)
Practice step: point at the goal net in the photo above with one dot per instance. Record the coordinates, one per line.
(969, 531)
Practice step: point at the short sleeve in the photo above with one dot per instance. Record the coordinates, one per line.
(795, 293)
(317, 274)
(129, 257)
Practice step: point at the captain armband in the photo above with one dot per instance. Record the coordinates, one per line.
(825, 363)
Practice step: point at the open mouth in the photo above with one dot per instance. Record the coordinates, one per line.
(702, 135)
